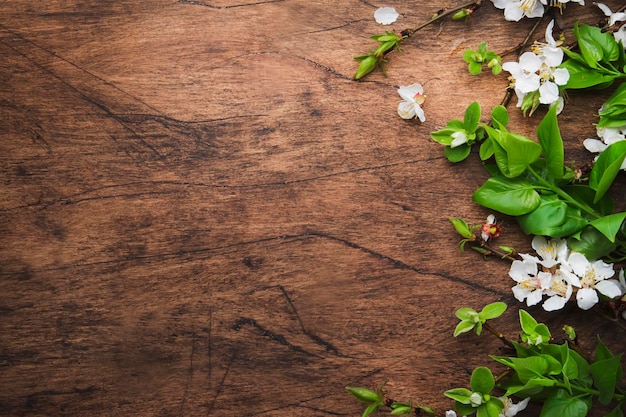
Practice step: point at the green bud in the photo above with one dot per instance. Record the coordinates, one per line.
(570, 332)
(364, 394)
(461, 227)
(367, 65)
(462, 14)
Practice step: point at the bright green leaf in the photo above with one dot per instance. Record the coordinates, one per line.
(552, 144)
(606, 168)
(610, 225)
(513, 197)
(561, 404)
(493, 310)
(472, 117)
(482, 380)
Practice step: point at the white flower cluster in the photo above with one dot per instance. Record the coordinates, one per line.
(537, 71)
(557, 271)
(514, 10)
(608, 136)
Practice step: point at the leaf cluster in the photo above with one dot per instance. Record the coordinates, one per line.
(479, 398)
(531, 182)
(459, 135)
(473, 320)
(600, 61)
(560, 376)
(481, 57)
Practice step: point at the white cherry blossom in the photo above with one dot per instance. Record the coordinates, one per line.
(531, 284)
(594, 278)
(514, 10)
(412, 99)
(510, 409)
(608, 136)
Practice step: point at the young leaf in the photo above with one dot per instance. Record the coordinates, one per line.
(513, 197)
(606, 168)
(472, 117)
(482, 380)
(461, 395)
(561, 404)
(552, 144)
(499, 117)
(458, 153)
(493, 310)
(610, 225)
(463, 327)
(591, 243)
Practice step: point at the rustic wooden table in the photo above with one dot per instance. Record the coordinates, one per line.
(202, 214)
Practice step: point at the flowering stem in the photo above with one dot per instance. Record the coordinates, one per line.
(471, 4)
(499, 335)
(563, 194)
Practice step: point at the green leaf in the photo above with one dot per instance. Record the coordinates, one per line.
(472, 117)
(596, 45)
(606, 168)
(552, 218)
(581, 76)
(475, 67)
(605, 377)
(458, 153)
(561, 404)
(370, 409)
(486, 150)
(463, 327)
(527, 322)
(586, 195)
(499, 117)
(513, 197)
(491, 311)
(461, 395)
(610, 225)
(591, 243)
(482, 380)
(533, 385)
(514, 153)
(466, 313)
(552, 144)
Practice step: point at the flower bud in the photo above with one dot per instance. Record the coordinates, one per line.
(462, 14)
(475, 399)
(367, 65)
(364, 394)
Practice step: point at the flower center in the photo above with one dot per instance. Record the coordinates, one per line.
(419, 98)
(528, 5)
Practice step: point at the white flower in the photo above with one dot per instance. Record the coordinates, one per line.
(386, 15)
(530, 283)
(594, 276)
(458, 139)
(613, 17)
(552, 251)
(524, 72)
(560, 290)
(608, 136)
(475, 399)
(412, 96)
(514, 10)
(511, 409)
(537, 71)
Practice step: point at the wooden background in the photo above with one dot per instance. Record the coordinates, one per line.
(201, 214)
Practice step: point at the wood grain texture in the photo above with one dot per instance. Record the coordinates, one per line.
(201, 214)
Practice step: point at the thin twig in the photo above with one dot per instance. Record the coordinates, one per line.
(471, 4)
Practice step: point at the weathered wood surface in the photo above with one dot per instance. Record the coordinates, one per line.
(201, 214)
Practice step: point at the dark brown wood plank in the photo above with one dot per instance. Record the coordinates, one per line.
(201, 214)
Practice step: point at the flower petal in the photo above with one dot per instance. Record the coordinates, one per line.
(594, 145)
(586, 298)
(386, 15)
(609, 287)
(409, 92)
(406, 109)
(548, 93)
